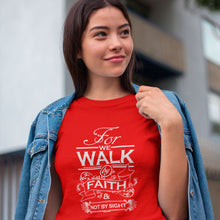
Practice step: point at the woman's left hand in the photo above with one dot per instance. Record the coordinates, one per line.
(173, 175)
(153, 103)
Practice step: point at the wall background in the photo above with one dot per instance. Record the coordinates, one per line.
(31, 65)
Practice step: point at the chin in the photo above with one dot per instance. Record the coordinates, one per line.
(116, 74)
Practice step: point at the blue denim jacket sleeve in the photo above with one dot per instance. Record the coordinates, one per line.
(24, 188)
(199, 199)
(35, 178)
(199, 203)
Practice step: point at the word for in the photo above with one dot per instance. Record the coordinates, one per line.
(102, 136)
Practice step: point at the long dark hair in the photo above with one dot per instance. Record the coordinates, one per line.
(75, 24)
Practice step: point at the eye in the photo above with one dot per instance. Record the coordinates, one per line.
(125, 32)
(101, 34)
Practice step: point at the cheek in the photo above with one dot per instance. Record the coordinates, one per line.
(96, 45)
(93, 51)
(92, 55)
(88, 53)
(129, 46)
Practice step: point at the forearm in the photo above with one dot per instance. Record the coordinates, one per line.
(173, 177)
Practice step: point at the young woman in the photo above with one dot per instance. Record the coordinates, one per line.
(98, 154)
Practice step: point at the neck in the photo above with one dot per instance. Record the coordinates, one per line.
(104, 89)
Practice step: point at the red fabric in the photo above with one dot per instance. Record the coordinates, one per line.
(107, 158)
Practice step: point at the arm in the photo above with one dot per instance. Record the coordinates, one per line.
(55, 194)
(173, 177)
(172, 193)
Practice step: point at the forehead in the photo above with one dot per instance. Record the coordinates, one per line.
(107, 16)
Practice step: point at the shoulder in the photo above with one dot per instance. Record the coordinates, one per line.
(59, 105)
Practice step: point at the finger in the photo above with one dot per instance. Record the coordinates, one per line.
(142, 106)
(142, 112)
(141, 95)
(139, 103)
(145, 88)
(145, 115)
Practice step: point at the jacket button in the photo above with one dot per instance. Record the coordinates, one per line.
(191, 193)
(41, 200)
(32, 149)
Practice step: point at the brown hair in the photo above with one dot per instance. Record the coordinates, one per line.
(75, 24)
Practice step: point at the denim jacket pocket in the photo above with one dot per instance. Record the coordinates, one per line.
(37, 151)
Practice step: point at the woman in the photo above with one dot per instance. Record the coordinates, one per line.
(99, 154)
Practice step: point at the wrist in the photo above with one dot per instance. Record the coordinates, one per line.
(171, 124)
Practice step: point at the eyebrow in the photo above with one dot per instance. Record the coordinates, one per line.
(105, 27)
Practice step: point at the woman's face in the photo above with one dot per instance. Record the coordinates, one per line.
(107, 44)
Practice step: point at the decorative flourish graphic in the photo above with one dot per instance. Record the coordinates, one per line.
(106, 171)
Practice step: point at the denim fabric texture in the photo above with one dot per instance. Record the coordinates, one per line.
(36, 180)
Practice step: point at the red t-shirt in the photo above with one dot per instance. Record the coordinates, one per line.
(107, 159)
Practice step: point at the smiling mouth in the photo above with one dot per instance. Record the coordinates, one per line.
(116, 59)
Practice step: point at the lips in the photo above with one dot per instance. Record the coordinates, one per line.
(116, 59)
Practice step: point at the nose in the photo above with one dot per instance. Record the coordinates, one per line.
(115, 44)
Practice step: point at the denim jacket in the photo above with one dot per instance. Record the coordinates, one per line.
(36, 180)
